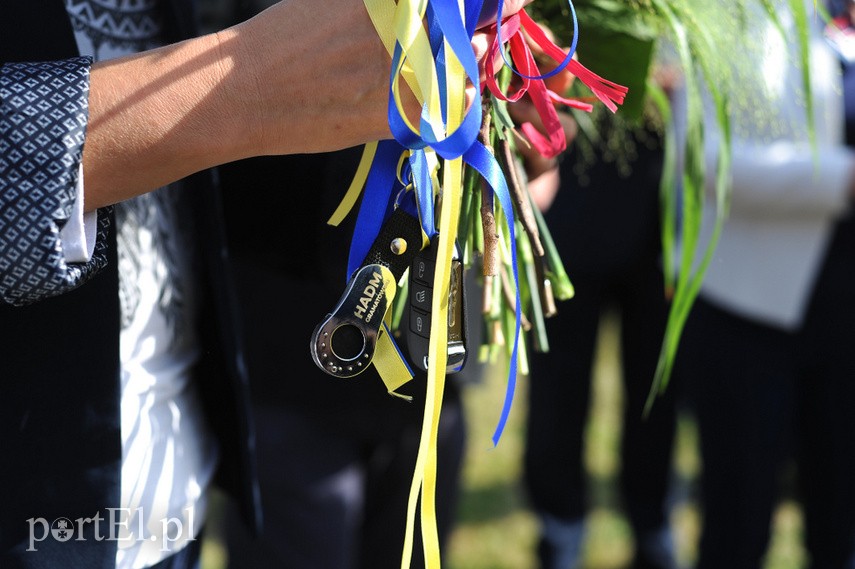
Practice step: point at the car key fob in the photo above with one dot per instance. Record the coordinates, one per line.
(417, 328)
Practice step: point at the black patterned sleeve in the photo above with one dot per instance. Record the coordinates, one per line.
(43, 117)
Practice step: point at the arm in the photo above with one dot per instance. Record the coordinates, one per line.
(299, 77)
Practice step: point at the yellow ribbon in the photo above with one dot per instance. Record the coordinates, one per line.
(390, 364)
(401, 22)
(356, 185)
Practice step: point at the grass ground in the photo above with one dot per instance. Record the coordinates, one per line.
(496, 530)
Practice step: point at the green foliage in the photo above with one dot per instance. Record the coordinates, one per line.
(627, 41)
(616, 41)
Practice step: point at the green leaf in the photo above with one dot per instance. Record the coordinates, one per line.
(616, 41)
(667, 185)
(501, 117)
(622, 58)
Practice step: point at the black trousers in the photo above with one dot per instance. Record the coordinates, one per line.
(607, 231)
(559, 396)
(763, 396)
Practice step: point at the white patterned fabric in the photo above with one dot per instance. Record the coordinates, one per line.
(43, 117)
(168, 457)
(108, 28)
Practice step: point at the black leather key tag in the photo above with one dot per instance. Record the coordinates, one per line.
(343, 344)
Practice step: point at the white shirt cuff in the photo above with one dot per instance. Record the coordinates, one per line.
(80, 232)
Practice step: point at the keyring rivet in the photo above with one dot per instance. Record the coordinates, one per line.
(398, 246)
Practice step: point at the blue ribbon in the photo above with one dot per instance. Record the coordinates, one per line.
(423, 188)
(561, 66)
(445, 26)
(487, 12)
(456, 34)
(383, 192)
(381, 187)
(482, 160)
(437, 46)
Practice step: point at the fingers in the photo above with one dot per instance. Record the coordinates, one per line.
(571, 129)
(544, 188)
(481, 43)
(514, 6)
(524, 111)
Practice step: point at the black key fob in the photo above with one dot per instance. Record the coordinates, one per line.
(343, 344)
(416, 327)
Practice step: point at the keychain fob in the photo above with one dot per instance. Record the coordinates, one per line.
(417, 328)
(343, 344)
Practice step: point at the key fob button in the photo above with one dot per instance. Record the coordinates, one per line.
(420, 323)
(422, 270)
(421, 297)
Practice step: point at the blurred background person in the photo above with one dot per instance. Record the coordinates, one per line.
(767, 352)
(604, 219)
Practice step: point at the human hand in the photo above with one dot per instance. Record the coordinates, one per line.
(525, 111)
(542, 171)
(489, 10)
(559, 83)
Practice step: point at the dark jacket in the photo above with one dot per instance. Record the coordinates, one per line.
(59, 360)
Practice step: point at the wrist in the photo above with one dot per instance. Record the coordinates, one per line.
(311, 82)
(237, 108)
(159, 116)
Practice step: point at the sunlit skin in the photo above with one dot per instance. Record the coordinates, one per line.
(296, 78)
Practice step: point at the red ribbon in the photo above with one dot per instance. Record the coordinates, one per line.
(554, 142)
